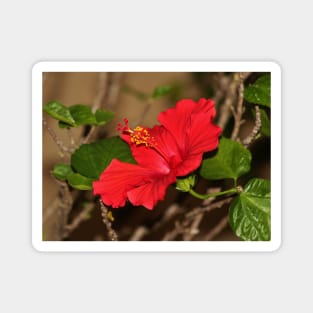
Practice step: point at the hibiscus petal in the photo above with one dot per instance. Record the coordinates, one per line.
(177, 120)
(191, 125)
(203, 135)
(162, 155)
(189, 164)
(180, 119)
(151, 192)
(117, 179)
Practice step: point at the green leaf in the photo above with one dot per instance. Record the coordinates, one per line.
(82, 115)
(64, 125)
(185, 184)
(91, 159)
(77, 115)
(102, 116)
(260, 91)
(60, 112)
(265, 123)
(231, 161)
(79, 182)
(61, 171)
(161, 91)
(250, 212)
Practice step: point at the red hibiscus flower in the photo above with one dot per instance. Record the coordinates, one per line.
(174, 148)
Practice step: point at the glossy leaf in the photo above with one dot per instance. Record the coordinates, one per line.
(79, 182)
(82, 115)
(250, 212)
(91, 159)
(102, 116)
(61, 171)
(161, 91)
(77, 115)
(260, 91)
(59, 111)
(265, 123)
(231, 161)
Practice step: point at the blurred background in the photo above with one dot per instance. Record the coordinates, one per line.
(126, 95)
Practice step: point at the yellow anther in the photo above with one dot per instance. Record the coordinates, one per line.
(140, 135)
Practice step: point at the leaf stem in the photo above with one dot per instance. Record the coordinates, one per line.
(229, 191)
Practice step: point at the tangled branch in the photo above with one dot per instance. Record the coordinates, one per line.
(257, 126)
(106, 221)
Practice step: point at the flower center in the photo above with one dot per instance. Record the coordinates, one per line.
(140, 135)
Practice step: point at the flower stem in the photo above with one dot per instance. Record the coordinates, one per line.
(237, 189)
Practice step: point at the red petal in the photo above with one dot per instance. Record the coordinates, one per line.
(180, 119)
(203, 135)
(191, 125)
(151, 192)
(162, 156)
(117, 179)
(189, 164)
(177, 121)
(143, 186)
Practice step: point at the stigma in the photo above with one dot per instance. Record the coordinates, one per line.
(139, 135)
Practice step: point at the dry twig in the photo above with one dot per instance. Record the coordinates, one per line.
(63, 149)
(229, 87)
(65, 206)
(81, 217)
(97, 103)
(104, 213)
(71, 137)
(139, 233)
(114, 89)
(189, 226)
(208, 208)
(101, 91)
(217, 229)
(257, 125)
(239, 110)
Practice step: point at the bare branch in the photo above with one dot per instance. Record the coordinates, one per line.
(81, 217)
(228, 90)
(114, 89)
(194, 228)
(171, 235)
(238, 112)
(71, 137)
(217, 229)
(105, 218)
(257, 126)
(97, 103)
(189, 226)
(101, 91)
(229, 87)
(208, 208)
(108, 90)
(66, 203)
(139, 233)
(63, 149)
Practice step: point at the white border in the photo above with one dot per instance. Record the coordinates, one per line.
(156, 246)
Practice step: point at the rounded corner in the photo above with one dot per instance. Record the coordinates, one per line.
(37, 66)
(36, 245)
(276, 66)
(276, 245)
